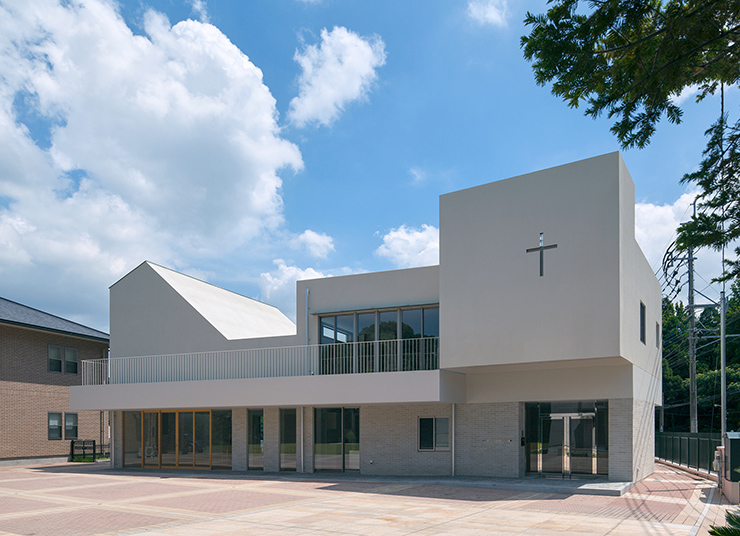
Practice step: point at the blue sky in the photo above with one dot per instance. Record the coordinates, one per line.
(250, 143)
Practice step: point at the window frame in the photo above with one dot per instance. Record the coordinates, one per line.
(435, 440)
(60, 427)
(60, 360)
(67, 426)
(376, 312)
(67, 362)
(643, 322)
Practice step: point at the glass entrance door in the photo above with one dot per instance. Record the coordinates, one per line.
(582, 448)
(568, 444)
(567, 438)
(553, 445)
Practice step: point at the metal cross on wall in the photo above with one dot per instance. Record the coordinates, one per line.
(542, 247)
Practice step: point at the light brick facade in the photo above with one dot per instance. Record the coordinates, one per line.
(29, 392)
(488, 442)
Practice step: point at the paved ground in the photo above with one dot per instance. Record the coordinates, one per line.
(88, 499)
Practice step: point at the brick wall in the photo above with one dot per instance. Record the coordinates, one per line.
(488, 439)
(239, 439)
(620, 439)
(308, 435)
(271, 427)
(28, 392)
(643, 439)
(117, 439)
(389, 441)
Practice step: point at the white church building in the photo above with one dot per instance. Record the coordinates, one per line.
(532, 348)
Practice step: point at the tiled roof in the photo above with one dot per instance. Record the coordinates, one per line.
(21, 315)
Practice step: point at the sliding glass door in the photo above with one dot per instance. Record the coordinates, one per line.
(337, 439)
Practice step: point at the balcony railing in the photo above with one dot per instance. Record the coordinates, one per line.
(339, 358)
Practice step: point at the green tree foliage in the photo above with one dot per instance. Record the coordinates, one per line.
(731, 529)
(676, 372)
(630, 58)
(717, 225)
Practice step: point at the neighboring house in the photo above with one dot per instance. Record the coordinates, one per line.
(40, 357)
(533, 347)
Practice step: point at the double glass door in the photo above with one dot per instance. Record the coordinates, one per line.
(567, 438)
(568, 444)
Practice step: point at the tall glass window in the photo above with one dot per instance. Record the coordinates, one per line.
(151, 438)
(337, 439)
(255, 433)
(288, 439)
(388, 335)
(431, 338)
(168, 441)
(202, 444)
(328, 439)
(411, 334)
(221, 439)
(366, 338)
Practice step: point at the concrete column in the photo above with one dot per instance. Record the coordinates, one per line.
(308, 439)
(117, 438)
(271, 424)
(239, 439)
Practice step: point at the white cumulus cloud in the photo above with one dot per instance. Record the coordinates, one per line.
(199, 8)
(407, 247)
(340, 69)
(318, 244)
(163, 146)
(278, 287)
(490, 12)
(655, 230)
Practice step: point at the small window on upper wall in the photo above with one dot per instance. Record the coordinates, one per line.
(657, 335)
(55, 358)
(642, 322)
(70, 426)
(55, 425)
(434, 433)
(70, 360)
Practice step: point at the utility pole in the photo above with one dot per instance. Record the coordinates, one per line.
(692, 344)
(723, 363)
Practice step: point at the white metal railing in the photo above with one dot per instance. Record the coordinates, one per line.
(339, 358)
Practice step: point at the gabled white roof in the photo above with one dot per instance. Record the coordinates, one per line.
(233, 315)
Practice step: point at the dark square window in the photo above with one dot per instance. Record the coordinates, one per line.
(70, 426)
(70, 360)
(434, 433)
(55, 426)
(55, 358)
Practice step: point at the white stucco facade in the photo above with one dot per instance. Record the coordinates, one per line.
(499, 361)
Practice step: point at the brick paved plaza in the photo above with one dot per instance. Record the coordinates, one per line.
(91, 499)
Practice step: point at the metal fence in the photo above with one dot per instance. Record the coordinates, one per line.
(338, 358)
(684, 448)
(83, 449)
